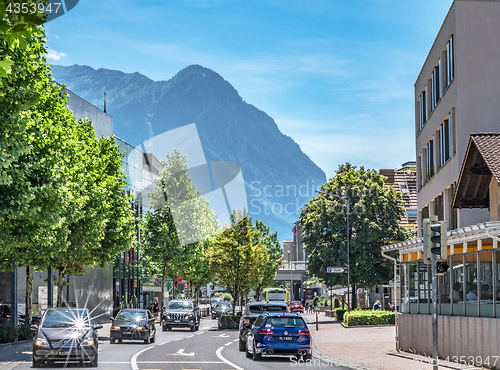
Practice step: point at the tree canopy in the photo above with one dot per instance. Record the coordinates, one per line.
(374, 217)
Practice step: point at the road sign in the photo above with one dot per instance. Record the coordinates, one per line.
(335, 270)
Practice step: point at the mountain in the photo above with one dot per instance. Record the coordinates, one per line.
(279, 177)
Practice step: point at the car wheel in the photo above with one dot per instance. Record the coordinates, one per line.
(193, 328)
(95, 361)
(36, 363)
(147, 340)
(119, 340)
(248, 354)
(309, 357)
(242, 346)
(164, 328)
(112, 341)
(256, 356)
(154, 338)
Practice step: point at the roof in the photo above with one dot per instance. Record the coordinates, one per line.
(481, 163)
(281, 314)
(269, 303)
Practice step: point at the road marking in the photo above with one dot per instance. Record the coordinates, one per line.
(221, 336)
(201, 332)
(181, 353)
(179, 362)
(227, 344)
(190, 336)
(133, 361)
(219, 355)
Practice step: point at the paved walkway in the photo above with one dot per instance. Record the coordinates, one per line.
(371, 347)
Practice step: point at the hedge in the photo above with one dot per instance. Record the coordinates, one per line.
(368, 317)
(229, 321)
(339, 313)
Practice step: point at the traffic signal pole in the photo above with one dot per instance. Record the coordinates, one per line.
(434, 316)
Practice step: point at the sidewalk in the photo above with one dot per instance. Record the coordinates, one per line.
(371, 347)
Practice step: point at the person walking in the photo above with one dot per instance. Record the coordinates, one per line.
(156, 308)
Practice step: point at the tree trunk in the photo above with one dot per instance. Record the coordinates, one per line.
(162, 298)
(29, 290)
(60, 283)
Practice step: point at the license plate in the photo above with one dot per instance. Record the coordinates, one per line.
(285, 338)
(177, 321)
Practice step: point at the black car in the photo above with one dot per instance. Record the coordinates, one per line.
(251, 312)
(6, 314)
(133, 324)
(221, 308)
(181, 313)
(66, 335)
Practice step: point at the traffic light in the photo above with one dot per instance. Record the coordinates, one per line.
(439, 239)
(427, 240)
(441, 268)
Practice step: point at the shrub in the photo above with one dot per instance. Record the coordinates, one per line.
(339, 313)
(229, 321)
(368, 317)
(7, 333)
(25, 332)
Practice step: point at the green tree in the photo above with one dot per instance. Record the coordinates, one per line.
(179, 215)
(235, 256)
(374, 217)
(272, 257)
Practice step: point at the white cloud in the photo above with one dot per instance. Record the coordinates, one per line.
(54, 55)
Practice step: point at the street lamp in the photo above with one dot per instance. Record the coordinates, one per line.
(344, 199)
(291, 276)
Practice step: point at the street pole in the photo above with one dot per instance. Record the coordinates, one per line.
(348, 252)
(434, 315)
(291, 275)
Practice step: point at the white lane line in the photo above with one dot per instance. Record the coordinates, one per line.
(178, 362)
(237, 339)
(190, 336)
(133, 361)
(219, 355)
(227, 344)
(201, 332)
(161, 344)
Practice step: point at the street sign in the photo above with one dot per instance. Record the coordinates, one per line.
(335, 270)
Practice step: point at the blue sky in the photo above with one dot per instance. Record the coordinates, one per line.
(336, 75)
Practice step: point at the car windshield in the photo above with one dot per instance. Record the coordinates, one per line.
(131, 315)
(285, 322)
(180, 305)
(223, 304)
(78, 318)
(296, 302)
(265, 308)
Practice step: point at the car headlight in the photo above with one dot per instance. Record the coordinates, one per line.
(40, 342)
(88, 342)
(190, 314)
(115, 328)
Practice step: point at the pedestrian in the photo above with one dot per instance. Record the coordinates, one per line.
(156, 308)
(377, 305)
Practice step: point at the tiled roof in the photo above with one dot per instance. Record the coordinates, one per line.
(488, 144)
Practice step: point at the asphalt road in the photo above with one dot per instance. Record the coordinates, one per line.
(179, 349)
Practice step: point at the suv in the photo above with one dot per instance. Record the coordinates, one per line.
(251, 312)
(181, 313)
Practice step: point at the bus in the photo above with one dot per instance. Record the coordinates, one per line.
(274, 294)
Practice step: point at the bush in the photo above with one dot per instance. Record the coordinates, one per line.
(339, 313)
(227, 297)
(369, 317)
(25, 332)
(229, 321)
(8, 333)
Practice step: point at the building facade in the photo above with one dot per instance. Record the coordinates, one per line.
(456, 94)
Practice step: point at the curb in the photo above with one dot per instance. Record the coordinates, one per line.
(14, 343)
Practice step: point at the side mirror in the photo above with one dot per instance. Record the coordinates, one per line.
(98, 326)
(112, 318)
(34, 327)
(239, 313)
(164, 308)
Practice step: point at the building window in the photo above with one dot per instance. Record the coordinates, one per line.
(411, 213)
(453, 221)
(422, 109)
(435, 85)
(450, 65)
(439, 207)
(429, 156)
(445, 141)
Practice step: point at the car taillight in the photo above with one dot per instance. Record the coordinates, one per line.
(266, 331)
(7, 315)
(304, 332)
(246, 321)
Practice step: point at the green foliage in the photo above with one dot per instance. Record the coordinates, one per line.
(339, 313)
(369, 317)
(229, 321)
(227, 297)
(235, 256)
(271, 261)
(8, 333)
(374, 217)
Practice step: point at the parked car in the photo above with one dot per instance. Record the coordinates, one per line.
(181, 313)
(6, 313)
(251, 312)
(214, 301)
(279, 334)
(66, 335)
(221, 308)
(296, 306)
(133, 324)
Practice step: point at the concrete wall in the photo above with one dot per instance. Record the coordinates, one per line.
(457, 336)
(102, 122)
(494, 200)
